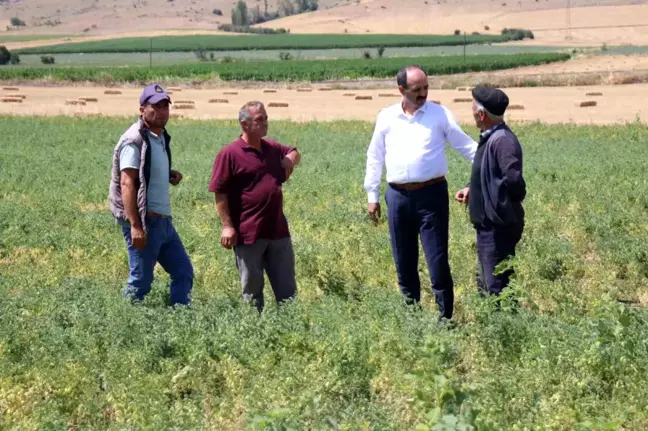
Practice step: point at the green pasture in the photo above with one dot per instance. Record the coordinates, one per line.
(347, 354)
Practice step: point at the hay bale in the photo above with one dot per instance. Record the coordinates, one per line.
(75, 102)
(516, 107)
(218, 101)
(177, 116)
(16, 96)
(363, 98)
(594, 93)
(10, 100)
(462, 100)
(388, 95)
(304, 90)
(269, 91)
(325, 89)
(88, 99)
(587, 103)
(438, 102)
(178, 89)
(185, 102)
(185, 106)
(464, 88)
(112, 92)
(349, 94)
(230, 93)
(11, 88)
(277, 105)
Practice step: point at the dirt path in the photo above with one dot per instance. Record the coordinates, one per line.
(551, 105)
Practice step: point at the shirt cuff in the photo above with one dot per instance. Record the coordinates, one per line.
(373, 197)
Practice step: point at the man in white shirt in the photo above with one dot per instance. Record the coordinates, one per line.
(409, 139)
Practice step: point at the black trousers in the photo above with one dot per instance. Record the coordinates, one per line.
(495, 244)
(421, 213)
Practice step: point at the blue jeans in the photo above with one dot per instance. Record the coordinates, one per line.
(163, 245)
(425, 213)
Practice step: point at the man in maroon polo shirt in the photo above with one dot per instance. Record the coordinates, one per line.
(247, 178)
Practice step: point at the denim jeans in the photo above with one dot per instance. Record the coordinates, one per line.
(163, 245)
(421, 213)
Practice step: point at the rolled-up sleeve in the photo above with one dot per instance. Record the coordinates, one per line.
(375, 161)
(458, 139)
(221, 173)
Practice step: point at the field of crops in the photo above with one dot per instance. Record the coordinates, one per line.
(299, 70)
(246, 42)
(167, 58)
(347, 354)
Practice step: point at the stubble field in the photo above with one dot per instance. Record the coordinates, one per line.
(347, 354)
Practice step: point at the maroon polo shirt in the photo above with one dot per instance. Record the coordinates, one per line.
(252, 181)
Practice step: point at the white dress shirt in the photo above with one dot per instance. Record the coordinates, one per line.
(412, 147)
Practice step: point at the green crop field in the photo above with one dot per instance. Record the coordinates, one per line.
(247, 42)
(347, 354)
(299, 70)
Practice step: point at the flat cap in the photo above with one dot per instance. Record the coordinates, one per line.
(493, 99)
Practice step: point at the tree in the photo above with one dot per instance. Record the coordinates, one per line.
(255, 15)
(5, 55)
(17, 22)
(240, 14)
(286, 8)
(15, 59)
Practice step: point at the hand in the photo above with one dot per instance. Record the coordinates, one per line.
(462, 195)
(175, 178)
(228, 237)
(374, 212)
(288, 165)
(138, 237)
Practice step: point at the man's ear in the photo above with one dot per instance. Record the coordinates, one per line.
(401, 89)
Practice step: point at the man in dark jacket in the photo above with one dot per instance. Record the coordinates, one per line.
(496, 190)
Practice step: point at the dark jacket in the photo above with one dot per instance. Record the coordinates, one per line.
(136, 134)
(497, 187)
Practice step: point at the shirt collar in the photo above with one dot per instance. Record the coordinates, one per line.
(486, 133)
(247, 146)
(421, 110)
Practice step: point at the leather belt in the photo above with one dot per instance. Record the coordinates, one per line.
(156, 215)
(417, 186)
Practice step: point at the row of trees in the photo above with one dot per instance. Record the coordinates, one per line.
(243, 16)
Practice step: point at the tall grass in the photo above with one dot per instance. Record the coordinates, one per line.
(347, 354)
(282, 70)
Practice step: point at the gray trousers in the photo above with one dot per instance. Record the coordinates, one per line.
(277, 258)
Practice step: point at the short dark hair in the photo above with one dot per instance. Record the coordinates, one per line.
(401, 76)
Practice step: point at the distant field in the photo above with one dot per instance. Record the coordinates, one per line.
(301, 70)
(160, 58)
(30, 37)
(249, 42)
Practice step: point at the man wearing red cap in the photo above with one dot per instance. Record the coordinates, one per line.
(497, 189)
(140, 202)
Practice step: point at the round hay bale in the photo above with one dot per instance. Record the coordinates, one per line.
(230, 93)
(587, 103)
(269, 91)
(516, 107)
(88, 99)
(185, 102)
(11, 88)
(112, 92)
(277, 105)
(594, 93)
(10, 100)
(363, 98)
(462, 100)
(349, 94)
(388, 95)
(218, 101)
(16, 96)
(75, 102)
(185, 106)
